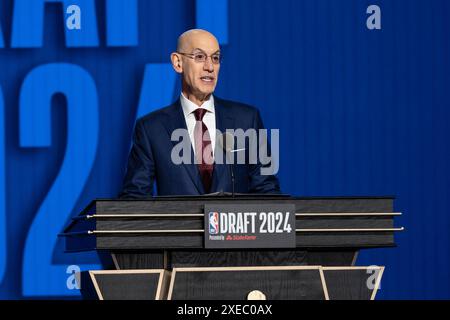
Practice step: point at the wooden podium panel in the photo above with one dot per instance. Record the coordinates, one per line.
(353, 283)
(276, 283)
(236, 283)
(177, 223)
(124, 284)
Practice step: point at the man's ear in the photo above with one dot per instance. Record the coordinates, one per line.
(177, 64)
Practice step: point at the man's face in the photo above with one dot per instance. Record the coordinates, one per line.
(200, 78)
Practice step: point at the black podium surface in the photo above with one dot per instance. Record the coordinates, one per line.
(165, 235)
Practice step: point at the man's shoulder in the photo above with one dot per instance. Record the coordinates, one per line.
(157, 115)
(235, 106)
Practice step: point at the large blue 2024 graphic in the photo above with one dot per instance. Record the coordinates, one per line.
(40, 277)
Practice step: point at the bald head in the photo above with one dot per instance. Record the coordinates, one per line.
(197, 60)
(195, 38)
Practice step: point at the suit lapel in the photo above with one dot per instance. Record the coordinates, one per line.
(177, 121)
(224, 120)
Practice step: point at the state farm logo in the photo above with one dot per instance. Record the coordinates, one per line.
(240, 238)
(213, 223)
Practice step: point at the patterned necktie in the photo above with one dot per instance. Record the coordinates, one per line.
(203, 149)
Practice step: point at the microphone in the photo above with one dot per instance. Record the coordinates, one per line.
(226, 143)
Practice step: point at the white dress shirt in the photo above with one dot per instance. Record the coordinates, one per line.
(209, 118)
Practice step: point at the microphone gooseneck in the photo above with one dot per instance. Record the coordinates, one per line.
(226, 141)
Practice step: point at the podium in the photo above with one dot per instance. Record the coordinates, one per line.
(157, 249)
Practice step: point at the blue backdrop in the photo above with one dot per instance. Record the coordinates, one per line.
(360, 112)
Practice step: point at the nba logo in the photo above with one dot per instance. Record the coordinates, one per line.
(213, 223)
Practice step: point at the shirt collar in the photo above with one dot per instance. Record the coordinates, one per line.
(189, 107)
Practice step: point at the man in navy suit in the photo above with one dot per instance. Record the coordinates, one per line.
(202, 116)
